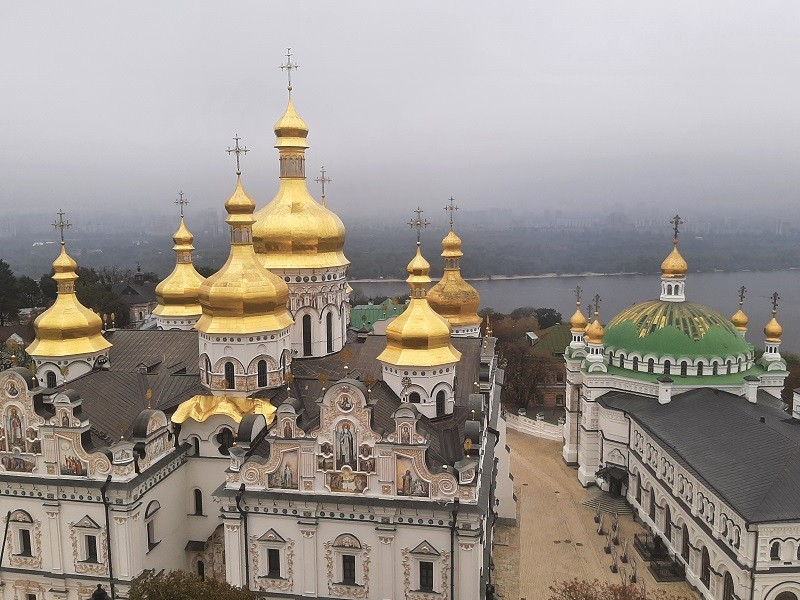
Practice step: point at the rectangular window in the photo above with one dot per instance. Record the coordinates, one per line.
(30, 596)
(426, 576)
(348, 569)
(25, 542)
(273, 562)
(91, 548)
(559, 399)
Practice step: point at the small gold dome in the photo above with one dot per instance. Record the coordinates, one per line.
(67, 328)
(178, 293)
(740, 320)
(674, 265)
(595, 331)
(290, 128)
(419, 337)
(243, 297)
(452, 297)
(578, 321)
(773, 331)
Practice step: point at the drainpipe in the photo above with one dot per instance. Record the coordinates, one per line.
(5, 536)
(243, 514)
(103, 491)
(753, 572)
(453, 549)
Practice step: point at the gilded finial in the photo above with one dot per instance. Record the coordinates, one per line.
(61, 223)
(322, 180)
(451, 208)
(676, 223)
(597, 300)
(773, 330)
(419, 224)
(739, 319)
(775, 297)
(289, 66)
(238, 151)
(181, 201)
(578, 292)
(742, 292)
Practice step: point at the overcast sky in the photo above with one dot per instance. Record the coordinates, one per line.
(500, 104)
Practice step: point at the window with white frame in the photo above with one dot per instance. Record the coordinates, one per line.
(425, 568)
(88, 537)
(21, 524)
(272, 556)
(348, 560)
(150, 518)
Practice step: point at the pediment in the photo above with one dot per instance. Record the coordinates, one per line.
(87, 523)
(271, 536)
(425, 548)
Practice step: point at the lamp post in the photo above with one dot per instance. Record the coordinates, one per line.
(100, 594)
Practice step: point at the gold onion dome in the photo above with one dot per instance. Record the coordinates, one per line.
(452, 297)
(740, 320)
(294, 230)
(773, 330)
(243, 297)
(419, 336)
(67, 328)
(178, 294)
(595, 331)
(578, 321)
(674, 265)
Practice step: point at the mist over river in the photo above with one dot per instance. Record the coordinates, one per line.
(717, 290)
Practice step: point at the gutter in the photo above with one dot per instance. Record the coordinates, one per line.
(5, 537)
(243, 514)
(103, 491)
(452, 548)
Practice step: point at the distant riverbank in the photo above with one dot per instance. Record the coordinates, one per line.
(503, 277)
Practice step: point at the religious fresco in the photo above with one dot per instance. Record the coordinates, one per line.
(11, 389)
(286, 476)
(346, 445)
(14, 427)
(18, 464)
(367, 465)
(345, 403)
(68, 460)
(346, 481)
(325, 463)
(408, 481)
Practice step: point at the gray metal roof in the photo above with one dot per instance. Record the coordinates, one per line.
(719, 437)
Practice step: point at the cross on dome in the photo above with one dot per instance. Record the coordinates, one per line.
(451, 208)
(775, 297)
(419, 224)
(322, 180)
(597, 301)
(742, 292)
(181, 201)
(61, 223)
(578, 292)
(237, 150)
(676, 223)
(289, 66)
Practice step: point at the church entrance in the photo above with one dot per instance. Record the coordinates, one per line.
(306, 335)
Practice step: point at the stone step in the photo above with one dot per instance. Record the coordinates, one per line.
(608, 504)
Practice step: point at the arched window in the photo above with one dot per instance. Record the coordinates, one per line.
(740, 365)
(685, 543)
(639, 489)
(306, 335)
(651, 365)
(414, 397)
(440, 403)
(667, 523)
(621, 361)
(150, 523)
(729, 366)
(51, 379)
(329, 331)
(667, 367)
(705, 568)
(715, 368)
(684, 368)
(262, 373)
(786, 596)
(225, 441)
(201, 570)
(635, 363)
(652, 511)
(195, 446)
(775, 551)
(207, 369)
(727, 587)
(230, 376)
(198, 502)
(699, 368)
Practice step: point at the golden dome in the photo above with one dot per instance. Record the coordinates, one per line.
(419, 337)
(595, 331)
(243, 297)
(740, 320)
(67, 328)
(294, 230)
(773, 331)
(178, 294)
(578, 321)
(674, 265)
(452, 297)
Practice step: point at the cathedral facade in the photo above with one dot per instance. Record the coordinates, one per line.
(251, 437)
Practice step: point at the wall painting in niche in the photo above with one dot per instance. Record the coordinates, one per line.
(408, 481)
(346, 481)
(346, 445)
(285, 477)
(68, 460)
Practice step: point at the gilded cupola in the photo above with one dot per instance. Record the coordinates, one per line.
(452, 297)
(773, 330)
(577, 322)
(595, 331)
(739, 318)
(419, 336)
(178, 294)
(674, 265)
(67, 328)
(243, 297)
(294, 231)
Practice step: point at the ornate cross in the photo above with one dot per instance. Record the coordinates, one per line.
(676, 223)
(578, 292)
(451, 208)
(289, 66)
(596, 303)
(322, 180)
(181, 201)
(61, 223)
(237, 150)
(742, 292)
(419, 223)
(775, 298)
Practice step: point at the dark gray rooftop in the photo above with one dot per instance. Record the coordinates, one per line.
(719, 437)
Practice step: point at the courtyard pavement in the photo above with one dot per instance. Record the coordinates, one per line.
(555, 538)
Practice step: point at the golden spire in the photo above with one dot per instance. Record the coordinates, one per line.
(177, 294)
(578, 321)
(452, 297)
(595, 331)
(739, 319)
(674, 265)
(67, 328)
(419, 336)
(773, 330)
(243, 297)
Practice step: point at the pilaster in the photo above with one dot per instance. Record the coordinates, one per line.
(386, 563)
(308, 529)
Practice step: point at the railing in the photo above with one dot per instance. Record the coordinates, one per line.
(651, 548)
(535, 427)
(667, 570)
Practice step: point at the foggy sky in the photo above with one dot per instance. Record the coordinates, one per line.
(500, 104)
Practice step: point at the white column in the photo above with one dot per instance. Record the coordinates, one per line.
(386, 564)
(467, 568)
(54, 536)
(122, 563)
(234, 553)
(309, 559)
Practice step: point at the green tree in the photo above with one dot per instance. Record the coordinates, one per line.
(28, 292)
(180, 585)
(205, 270)
(547, 317)
(48, 289)
(9, 299)
(577, 589)
(525, 374)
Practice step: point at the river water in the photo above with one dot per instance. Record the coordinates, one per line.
(718, 290)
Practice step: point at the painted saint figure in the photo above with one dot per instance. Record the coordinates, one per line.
(14, 428)
(346, 445)
(287, 479)
(407, 481)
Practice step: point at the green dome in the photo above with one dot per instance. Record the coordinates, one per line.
(675, 329)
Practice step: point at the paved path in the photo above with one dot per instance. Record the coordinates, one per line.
(556, 536)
